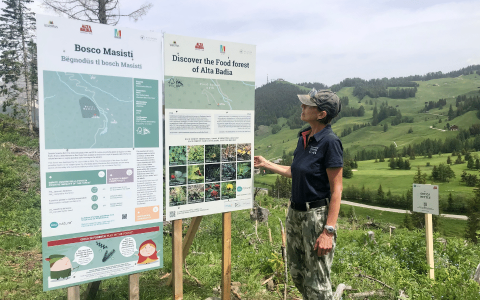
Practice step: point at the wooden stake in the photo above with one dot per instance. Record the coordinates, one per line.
(92, 289)
(226, 255)
(134, 286)
(270, 235)
(177, 259)
(187, 242)
(284, 255)
(73, 293)
(429, 242)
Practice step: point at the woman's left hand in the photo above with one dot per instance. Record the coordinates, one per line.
(324, 244)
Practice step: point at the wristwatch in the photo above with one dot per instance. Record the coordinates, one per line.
(330, 229)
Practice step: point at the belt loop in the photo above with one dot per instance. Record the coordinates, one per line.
(328, 202)
(307, 205)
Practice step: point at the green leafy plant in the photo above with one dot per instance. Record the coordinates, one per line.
(178, 195)
(196, 193)
(212, 172)
(212, 153)
(195, 154)
(195, 174)
(229, 190)
(228, 171)
(177, 175)
(212, 192)
(177, 155)
(244, 170)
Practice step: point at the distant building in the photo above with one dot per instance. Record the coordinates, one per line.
(280, 79)
(277, 161)
(454, 128)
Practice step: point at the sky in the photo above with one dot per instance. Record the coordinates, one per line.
(327, 41)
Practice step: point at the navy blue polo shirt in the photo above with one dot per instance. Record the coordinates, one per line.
(310, 163)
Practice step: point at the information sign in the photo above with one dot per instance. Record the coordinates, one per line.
(425, 198)
(101, 150)
(209, 126)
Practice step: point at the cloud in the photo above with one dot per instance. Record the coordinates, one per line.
(328, 41)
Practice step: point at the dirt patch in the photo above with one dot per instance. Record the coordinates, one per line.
(23, 260)
(33, 154)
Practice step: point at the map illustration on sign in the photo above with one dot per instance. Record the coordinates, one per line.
(202, 93)
(87, 111)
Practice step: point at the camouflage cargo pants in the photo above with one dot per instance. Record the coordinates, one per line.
(310, 273)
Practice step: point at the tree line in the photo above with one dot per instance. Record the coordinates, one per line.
(355, 127)
(466, 139)
(432, 104)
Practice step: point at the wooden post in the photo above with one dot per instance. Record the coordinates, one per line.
(92, 289)
(73, 293)
(177, 270)
(429, 242)
(134, 286)
(226, 255)
(187, 242)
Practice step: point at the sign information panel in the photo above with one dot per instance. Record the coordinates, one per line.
(425, 198)
(209, 126)
(101, 151)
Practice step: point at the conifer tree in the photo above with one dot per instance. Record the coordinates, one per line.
(473, 214)
(451, 113)
(17, 25)
(450, 202)
(471, 164)
(380, 195)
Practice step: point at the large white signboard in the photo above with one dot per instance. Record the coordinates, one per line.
(101, 150)
(209, 126)
(425, 198)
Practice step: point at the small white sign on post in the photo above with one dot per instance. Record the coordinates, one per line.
(425, 198)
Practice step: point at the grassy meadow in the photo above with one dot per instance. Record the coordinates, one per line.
(398, 260)
(373, 137)
(372, 174)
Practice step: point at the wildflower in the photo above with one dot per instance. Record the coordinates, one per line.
(229, 186)
(172, 176)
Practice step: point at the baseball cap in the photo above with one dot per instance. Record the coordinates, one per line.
(324, 99)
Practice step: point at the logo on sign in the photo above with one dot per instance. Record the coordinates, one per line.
(245, 51)
(239, 189)
(148, 38)
(174, 44)
(86, 29)
(117, 34)
(228, 204)
(222, 49)
(50, 24)
(53, 225)
(199, 46)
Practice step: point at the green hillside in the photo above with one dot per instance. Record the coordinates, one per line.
(374, 137)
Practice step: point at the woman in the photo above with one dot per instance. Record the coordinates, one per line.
(316, 174)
